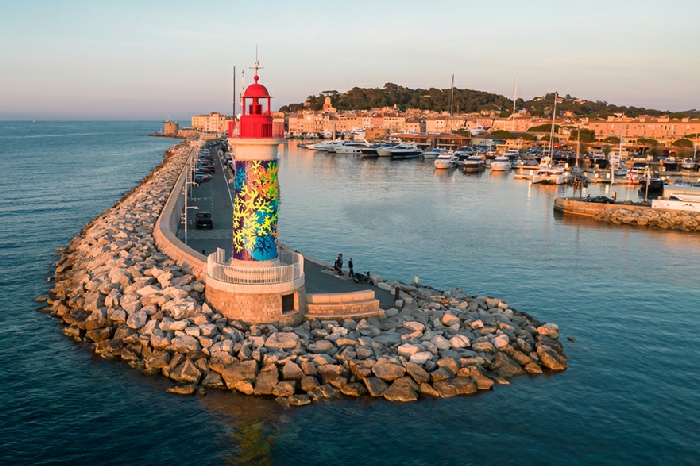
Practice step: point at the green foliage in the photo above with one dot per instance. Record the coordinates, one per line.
(502, 135)
(587, 135)
(682, 143)
(612, 140)
(547, 127)
(527, 137)
(606, 150)
(648, 141)
(467, 101)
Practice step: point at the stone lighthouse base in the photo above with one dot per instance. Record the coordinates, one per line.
(279, 303)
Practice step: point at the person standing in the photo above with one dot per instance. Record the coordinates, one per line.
(350, 272)
(338, 267)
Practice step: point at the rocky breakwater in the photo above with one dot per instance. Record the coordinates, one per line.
(654, 218)
(128, 301)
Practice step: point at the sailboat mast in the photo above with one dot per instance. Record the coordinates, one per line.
(233, 104)
(452, 94)
(551, 134)
(515, 94)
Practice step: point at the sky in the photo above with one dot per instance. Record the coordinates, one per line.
(152, 59)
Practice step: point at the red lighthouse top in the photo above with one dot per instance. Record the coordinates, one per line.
(256, 122)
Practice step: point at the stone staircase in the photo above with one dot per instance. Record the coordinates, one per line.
(330, 306)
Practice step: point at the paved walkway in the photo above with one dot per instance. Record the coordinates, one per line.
(215, 196)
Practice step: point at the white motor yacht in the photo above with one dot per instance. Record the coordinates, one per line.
(549, 175)
(405, 151)
(444, 161)
(501, 164)
(688, 164)
(473, 163)
(351, 147)
(435, 153)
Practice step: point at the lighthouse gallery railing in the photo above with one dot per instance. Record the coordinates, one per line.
(291, 269)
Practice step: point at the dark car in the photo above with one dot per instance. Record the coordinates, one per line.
(201, 177)
(204, 220)
(602, 200)
(206, 168)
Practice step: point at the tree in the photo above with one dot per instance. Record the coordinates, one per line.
(499, 134)
(648, 141)
(606, 150)
(587, 135)
(612, 140)
(682, 143)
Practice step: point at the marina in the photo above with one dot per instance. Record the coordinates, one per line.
(540, 256)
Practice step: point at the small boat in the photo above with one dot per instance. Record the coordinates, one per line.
(435, 153)
(670, 164)
(405, 151)
(351, 148)
(549, 175)
(501, 164)
(526, 164)
(688, 164)
(651, 187)
(326, 146)
(474, 163)
(444, 161)
(465, 150)
(512, 154)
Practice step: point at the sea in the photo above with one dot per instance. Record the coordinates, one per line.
(626, 300)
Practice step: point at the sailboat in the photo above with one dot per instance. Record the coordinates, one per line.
(547, 174)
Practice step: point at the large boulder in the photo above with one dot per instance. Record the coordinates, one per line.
(550, 358)
(267, 379)
(186, 372)
(375, 386)
(321, 347)
(401, 390)
(238, 371)
(388, 371)
(505, 366)
(292, 371)
(416, 372)
(283, 341)
(456, 386)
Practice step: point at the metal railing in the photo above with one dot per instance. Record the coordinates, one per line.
(291, 269)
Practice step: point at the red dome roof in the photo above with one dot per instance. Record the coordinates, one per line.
(256, 90)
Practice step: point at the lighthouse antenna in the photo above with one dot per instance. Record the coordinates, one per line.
(257, 62)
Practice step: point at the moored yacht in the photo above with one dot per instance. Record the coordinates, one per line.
(549, 175)
(435, 153)
(351, 147)
(474, 163)
(501, 163)
(405, 151)
(670, 164)
(688, 164)
(446, 160)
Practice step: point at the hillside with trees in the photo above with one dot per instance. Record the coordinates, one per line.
(467, 101)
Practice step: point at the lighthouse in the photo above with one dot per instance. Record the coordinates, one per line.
(256, 182)
(262, 282)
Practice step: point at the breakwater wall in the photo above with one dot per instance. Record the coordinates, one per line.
(118, 292)
(629, 214)
(653, 218)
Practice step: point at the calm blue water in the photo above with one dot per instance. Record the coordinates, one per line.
(629, 297)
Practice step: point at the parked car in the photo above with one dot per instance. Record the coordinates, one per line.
(204, 220)
(602, 200)
(200, 177)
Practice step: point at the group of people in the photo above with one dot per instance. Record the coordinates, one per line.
(338, 266)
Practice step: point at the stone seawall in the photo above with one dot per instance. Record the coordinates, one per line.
(627, 214)
(118, 293)
(653, 218)
(165, 231)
